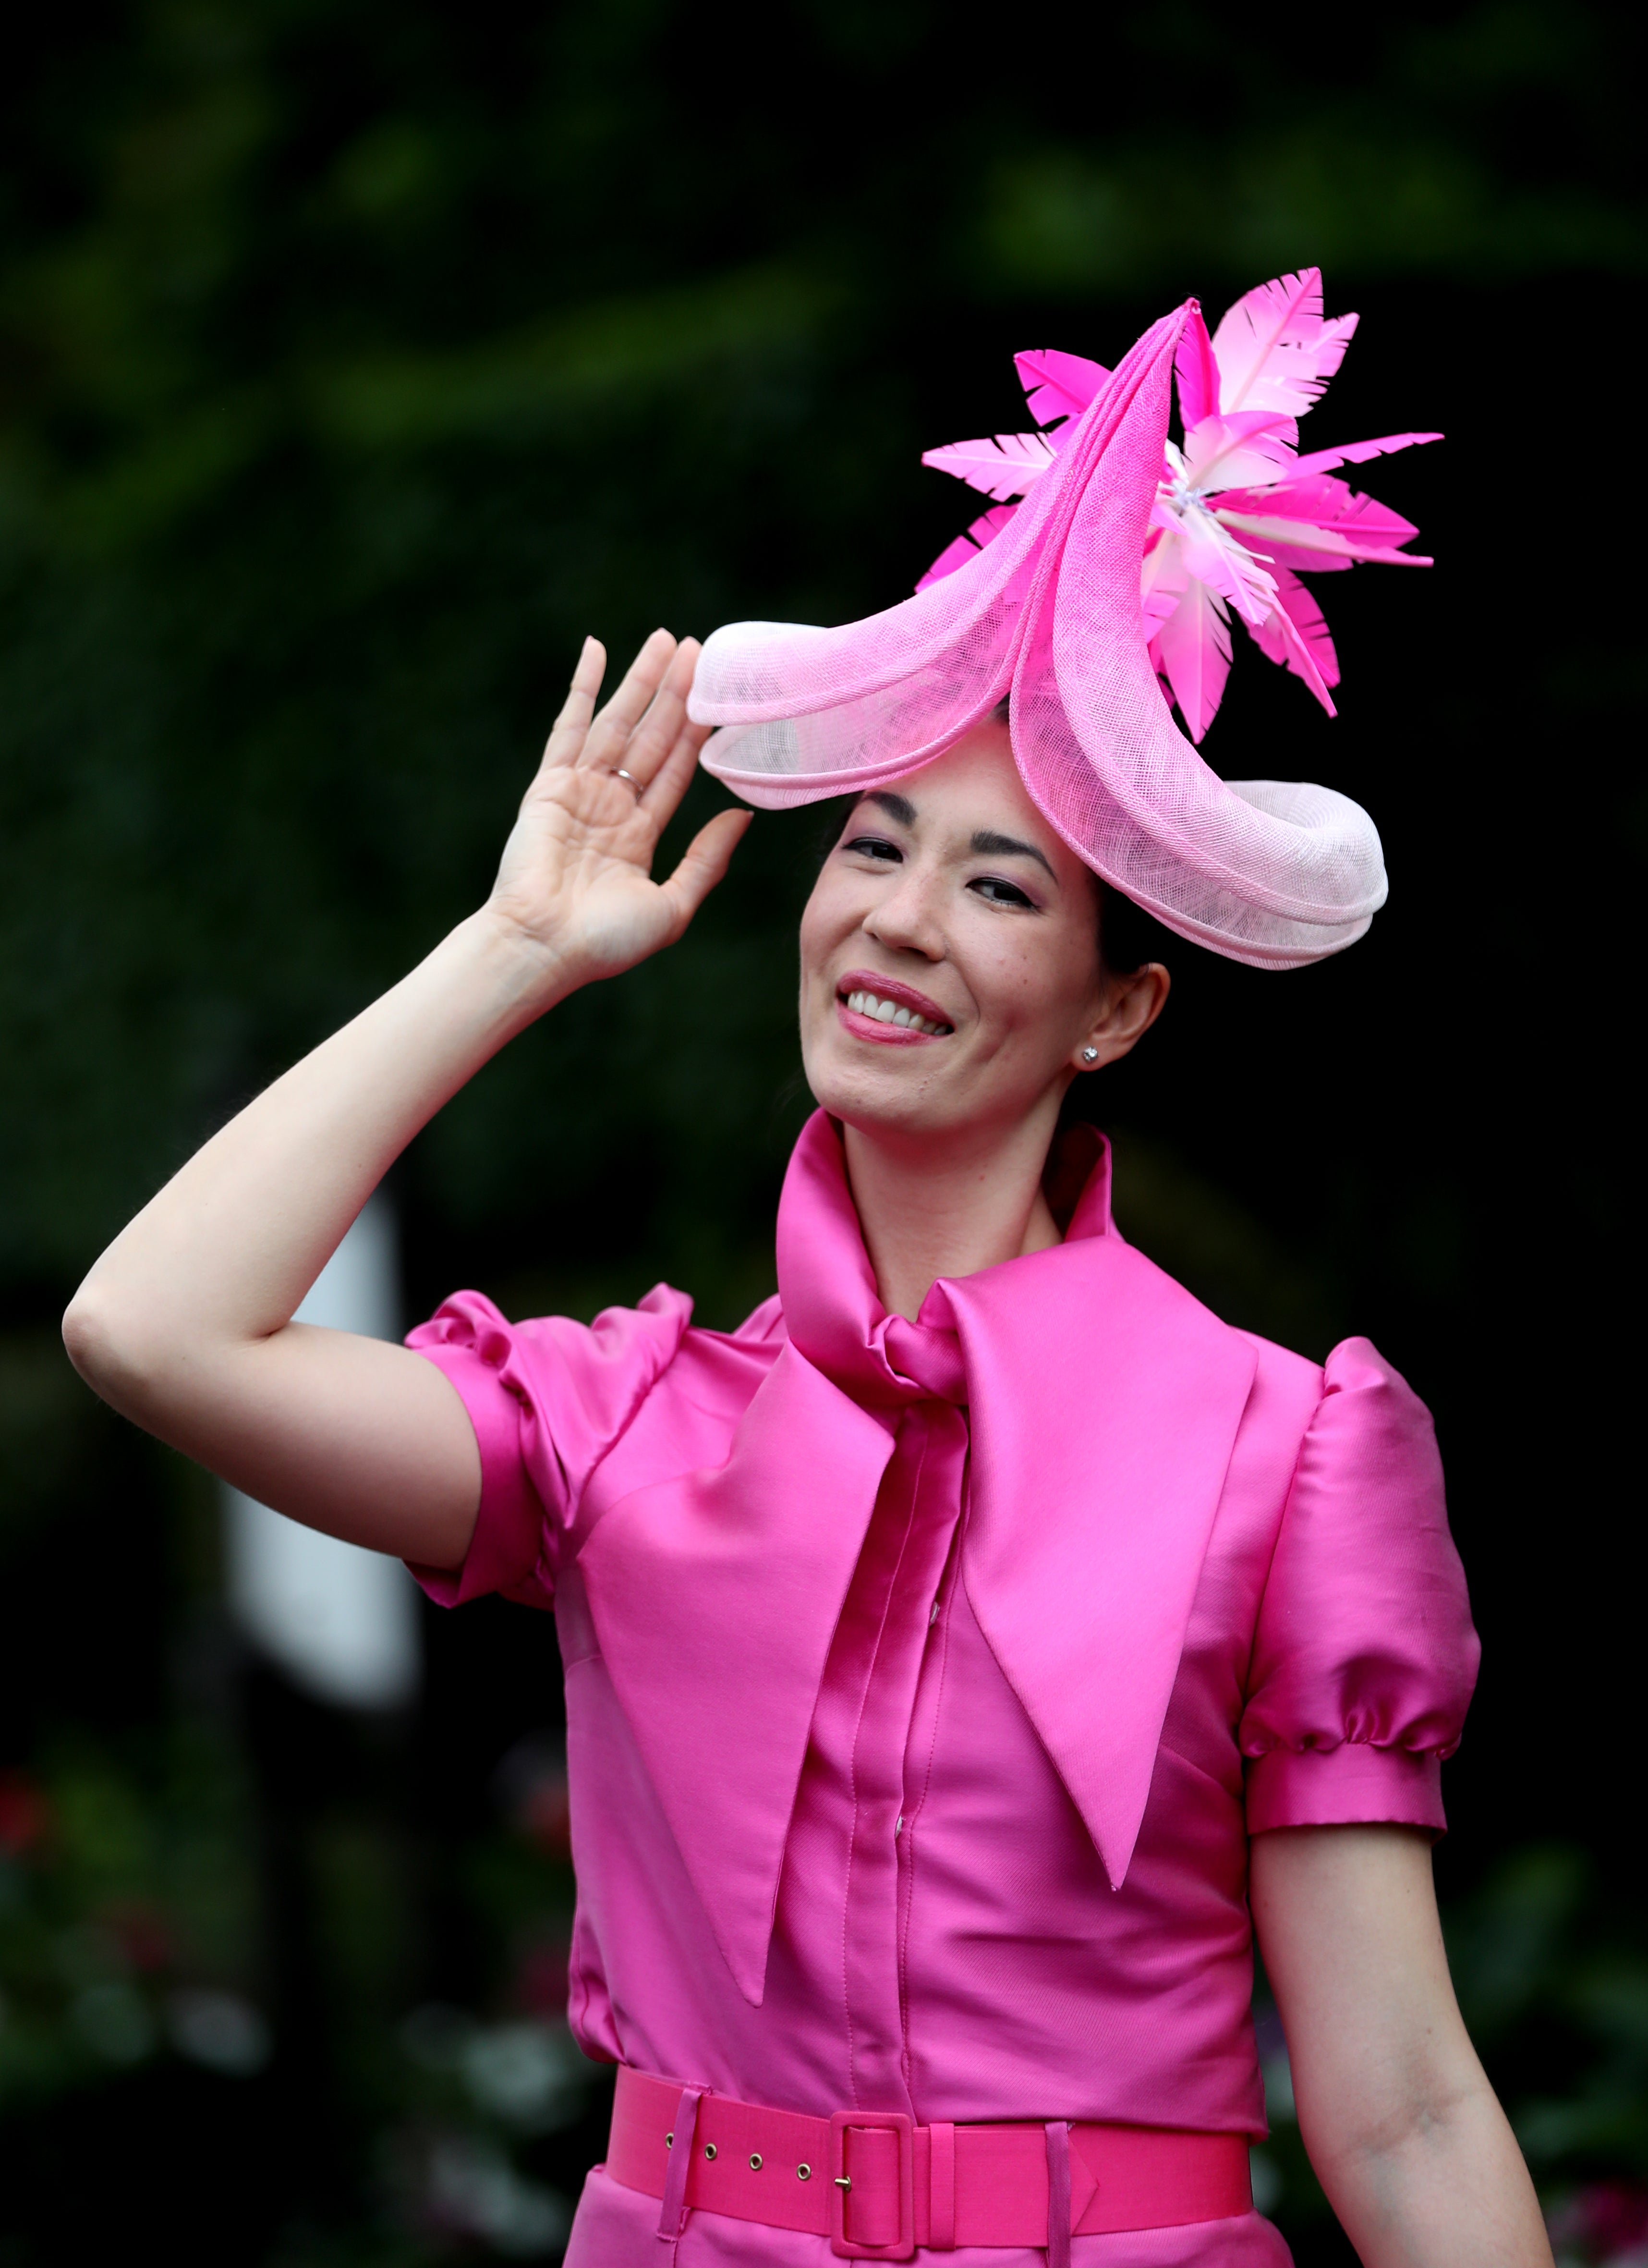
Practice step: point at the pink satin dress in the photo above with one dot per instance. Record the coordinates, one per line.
(925, 1682)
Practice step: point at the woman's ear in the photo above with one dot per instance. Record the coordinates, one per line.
(1130, 1005)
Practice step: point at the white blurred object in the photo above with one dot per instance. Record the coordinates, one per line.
(219, 2029)
(341, 1622)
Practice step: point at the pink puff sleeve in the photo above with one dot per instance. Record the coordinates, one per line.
(1364, 1657)
(547, 1399)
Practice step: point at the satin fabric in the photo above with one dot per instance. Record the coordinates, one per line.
(924, 1680)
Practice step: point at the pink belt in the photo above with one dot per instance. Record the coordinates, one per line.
(877, 2185)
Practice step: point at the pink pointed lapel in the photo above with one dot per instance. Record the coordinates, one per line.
(1105, 1406)
(715, 1596)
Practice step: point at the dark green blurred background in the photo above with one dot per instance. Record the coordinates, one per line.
(356, 360)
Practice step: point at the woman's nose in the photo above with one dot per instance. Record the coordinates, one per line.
(904, 918)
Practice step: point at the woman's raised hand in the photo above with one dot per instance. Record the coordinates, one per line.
(576, 878)
(186, 1322)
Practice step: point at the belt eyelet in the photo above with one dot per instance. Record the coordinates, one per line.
(803, 2173)
(709, 2149)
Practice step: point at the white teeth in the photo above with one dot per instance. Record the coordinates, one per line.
(888, 1012)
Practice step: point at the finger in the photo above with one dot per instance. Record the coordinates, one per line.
(566, 734)
(654, 738)
(613, 723)
(628, 730)
(671, 780)
(703, 862)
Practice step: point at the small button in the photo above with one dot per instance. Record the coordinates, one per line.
(933, 1618)
(898, 1825)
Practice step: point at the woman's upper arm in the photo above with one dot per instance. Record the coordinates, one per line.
(1346, 1919)
(354, 1435)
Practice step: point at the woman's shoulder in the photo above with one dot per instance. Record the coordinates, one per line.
(721, 1370)
(1356, 1397)
(1353, 1370)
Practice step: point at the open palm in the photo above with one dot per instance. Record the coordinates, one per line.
(575, 876)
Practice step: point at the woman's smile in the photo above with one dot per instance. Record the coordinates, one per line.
(881, 1009)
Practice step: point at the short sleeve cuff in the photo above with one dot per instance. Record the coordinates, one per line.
(507, 1549)
(1354, 1783)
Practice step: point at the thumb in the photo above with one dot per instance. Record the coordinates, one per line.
(703, 862)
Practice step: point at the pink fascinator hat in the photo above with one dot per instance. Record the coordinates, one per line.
(1100, 598)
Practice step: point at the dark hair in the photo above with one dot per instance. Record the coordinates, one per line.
(1128, 936)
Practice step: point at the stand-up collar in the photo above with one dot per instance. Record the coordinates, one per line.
(832, 1309)
(1103, 1403)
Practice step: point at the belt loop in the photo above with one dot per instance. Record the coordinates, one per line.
(1058, 2230)
(672, 2214)
(941, 2187)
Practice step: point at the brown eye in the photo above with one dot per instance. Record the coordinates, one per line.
(996, 891)
(874, 846)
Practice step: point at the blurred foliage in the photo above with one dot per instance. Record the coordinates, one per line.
(133, 1950)
(127, 1909)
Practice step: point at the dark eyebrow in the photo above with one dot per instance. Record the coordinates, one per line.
(988, 845)
(896, 807)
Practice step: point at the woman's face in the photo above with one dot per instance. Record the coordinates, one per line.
(950, 972)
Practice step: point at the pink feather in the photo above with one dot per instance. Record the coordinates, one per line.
(1246, 450)
(1319, 496)
(1056, 384)
(1196, 371)
(1275, 350)
(1295, 635)
(1162, 578)
(1192, 651)
(1358, 453)
(1003, 465)
(1240, 515)
(966, 546)
(1318, 523)
(1216, 555)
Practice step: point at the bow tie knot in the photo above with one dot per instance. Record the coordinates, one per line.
(927, 1355)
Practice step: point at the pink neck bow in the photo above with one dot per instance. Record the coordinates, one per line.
(1044, 602)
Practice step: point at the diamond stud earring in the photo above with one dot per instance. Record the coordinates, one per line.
(1090, 1055)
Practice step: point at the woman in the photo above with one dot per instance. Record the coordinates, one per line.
(959, 1652)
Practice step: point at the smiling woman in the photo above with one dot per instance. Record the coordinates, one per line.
(966, 1653)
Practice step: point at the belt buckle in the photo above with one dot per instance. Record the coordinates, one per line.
(897, 2122)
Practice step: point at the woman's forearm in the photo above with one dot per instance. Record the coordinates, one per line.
(1448, 2190)
(1401, 2123)
(227, 1249)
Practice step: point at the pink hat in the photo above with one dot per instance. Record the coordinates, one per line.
(1267, 871)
